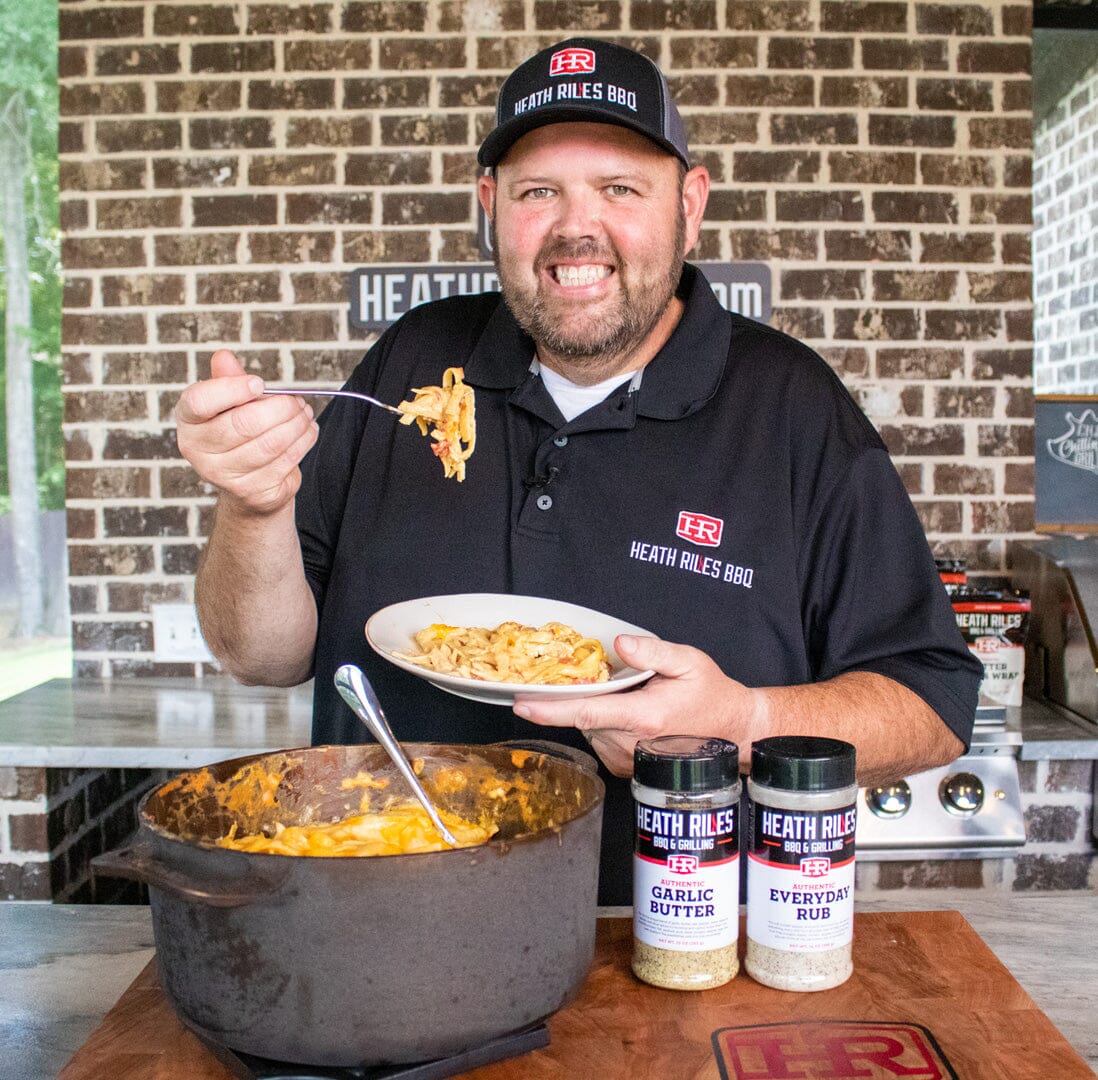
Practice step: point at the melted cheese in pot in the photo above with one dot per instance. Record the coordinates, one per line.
(399, 831)
(402, 827)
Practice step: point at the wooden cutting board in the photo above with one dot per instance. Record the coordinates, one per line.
(928, 1000)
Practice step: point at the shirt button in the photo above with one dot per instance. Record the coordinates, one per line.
(561, 440)
(545, 502)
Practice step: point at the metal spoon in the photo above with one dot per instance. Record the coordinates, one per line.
(355, 689)
(331, 393)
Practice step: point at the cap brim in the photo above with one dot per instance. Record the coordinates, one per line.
(502, 138)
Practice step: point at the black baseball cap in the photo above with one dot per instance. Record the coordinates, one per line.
(583, 79)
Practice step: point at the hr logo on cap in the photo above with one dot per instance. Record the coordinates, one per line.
(572, 62)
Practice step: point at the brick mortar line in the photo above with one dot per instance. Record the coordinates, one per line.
(534, 39)
(746, 225)
(534, 35)
(379, 146)
(911, 109)
(23, 858)
(22, 806)
(874, 381)
(866, 381)
(960, 302)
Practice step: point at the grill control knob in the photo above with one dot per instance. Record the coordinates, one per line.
(889, 801)
(962, 793)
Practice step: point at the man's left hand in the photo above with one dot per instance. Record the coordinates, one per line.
(687, 695)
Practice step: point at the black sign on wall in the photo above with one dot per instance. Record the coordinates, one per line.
(1065, 451)
(381, 294)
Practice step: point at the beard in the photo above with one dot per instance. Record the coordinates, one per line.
(595, 341)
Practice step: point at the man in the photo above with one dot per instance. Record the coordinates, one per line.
(640, 451)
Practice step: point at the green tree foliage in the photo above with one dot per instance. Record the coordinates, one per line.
(28, 74)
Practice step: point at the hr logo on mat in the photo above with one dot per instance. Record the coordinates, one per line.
(572, 62)
(831, 1049)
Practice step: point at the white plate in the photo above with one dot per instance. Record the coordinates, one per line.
(391, 630)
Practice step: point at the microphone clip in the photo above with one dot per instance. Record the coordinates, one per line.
(536, 483)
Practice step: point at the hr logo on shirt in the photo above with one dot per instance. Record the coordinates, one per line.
(699, 528)
(705, 531)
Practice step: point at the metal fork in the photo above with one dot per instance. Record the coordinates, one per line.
(331, 393)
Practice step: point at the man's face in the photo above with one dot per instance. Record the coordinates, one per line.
(591, 225)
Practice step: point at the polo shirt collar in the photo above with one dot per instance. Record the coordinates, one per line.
(678, 380)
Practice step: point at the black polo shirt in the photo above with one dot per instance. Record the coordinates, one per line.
(738, 501)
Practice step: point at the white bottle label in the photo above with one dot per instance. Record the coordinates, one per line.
(686, 878)
(800, 880)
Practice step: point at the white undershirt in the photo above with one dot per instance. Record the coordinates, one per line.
(573, 399)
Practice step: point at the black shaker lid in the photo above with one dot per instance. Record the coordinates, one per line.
(686, 763)
(802, 763)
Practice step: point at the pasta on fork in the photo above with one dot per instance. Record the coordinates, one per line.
(446, 412)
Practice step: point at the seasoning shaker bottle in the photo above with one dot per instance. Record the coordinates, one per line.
(800, 874)
(686, 861)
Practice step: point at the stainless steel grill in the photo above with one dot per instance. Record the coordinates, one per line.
(969, 809)
(973, 808)
(1061, 575)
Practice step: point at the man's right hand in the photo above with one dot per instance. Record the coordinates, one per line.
(247, 445)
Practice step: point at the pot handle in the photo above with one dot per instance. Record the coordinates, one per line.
(554, 749)
(138, 861)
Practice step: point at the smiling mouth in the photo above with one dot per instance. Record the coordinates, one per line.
(588, 274)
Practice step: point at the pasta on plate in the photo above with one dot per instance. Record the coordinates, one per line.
(551, 654)
(447, 412)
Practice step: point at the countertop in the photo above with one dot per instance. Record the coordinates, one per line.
(147, 723)
(63, 967)
(178, 723)
(1051, 732)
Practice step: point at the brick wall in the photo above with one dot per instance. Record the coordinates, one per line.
(54, 821)
(225, 165)
(1065, 287)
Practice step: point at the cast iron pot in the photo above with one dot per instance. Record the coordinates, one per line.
(369, 960)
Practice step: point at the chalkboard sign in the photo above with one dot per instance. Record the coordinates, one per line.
(1066, 459)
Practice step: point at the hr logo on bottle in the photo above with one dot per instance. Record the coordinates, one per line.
(682, 864)
(815, 867)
